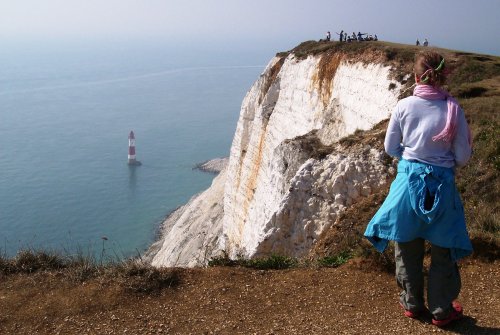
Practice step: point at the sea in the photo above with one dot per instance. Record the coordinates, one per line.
(66, 110)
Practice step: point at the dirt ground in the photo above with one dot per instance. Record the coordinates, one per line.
(225, 300)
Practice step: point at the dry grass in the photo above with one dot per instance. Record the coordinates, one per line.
(131, 275)
(479, 181)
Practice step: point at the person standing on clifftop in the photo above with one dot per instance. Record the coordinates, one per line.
(341, 35)
(430, 136)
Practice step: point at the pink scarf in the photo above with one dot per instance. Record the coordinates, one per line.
(433, 93)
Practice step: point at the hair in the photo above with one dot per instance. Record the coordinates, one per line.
(429, 68)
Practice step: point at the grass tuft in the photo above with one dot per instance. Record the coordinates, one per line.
(273, 262)
(335, 260)
(28, 261)
(132, 275)
(139, 277)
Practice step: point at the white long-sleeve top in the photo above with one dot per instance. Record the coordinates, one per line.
(414, 122)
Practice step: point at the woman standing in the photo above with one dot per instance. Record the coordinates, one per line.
(430, 136)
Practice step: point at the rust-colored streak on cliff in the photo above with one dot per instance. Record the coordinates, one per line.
(251, 183)
(323, 78)
(240, 167)
(271, 77)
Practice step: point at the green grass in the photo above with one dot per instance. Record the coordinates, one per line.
(273, 262)
(402, 53)
(314, 48)
(280, 262)
(335, 260)
(469, 69)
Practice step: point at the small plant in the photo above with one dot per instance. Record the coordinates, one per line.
(335, 260)
(28, 261)
(222, 260)
(5, 265)
(139, 277)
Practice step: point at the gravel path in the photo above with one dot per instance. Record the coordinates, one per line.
(224, 300)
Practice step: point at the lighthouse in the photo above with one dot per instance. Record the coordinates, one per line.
(131, 150)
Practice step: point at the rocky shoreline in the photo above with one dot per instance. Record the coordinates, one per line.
(215, 165)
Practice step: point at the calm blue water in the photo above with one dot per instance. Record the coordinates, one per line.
(65, 114)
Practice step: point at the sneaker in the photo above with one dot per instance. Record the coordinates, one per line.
(408, 313)
(456, 314)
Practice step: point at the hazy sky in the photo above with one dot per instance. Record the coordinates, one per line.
(279, 24)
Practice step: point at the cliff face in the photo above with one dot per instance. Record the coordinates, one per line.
(287, 178)
(191, 234)
(277, 198)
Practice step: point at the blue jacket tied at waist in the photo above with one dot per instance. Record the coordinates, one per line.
(423, 202)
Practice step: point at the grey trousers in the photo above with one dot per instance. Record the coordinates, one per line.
(443, 282)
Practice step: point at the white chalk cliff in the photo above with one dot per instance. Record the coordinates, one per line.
(279, 190)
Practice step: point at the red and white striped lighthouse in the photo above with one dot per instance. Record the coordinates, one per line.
(131, 150)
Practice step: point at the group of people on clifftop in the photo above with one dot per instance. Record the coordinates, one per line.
(359, 37)
(345, 37)
(426, 43)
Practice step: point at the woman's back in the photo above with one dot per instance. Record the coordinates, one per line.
(429, 132)
(414, 123)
